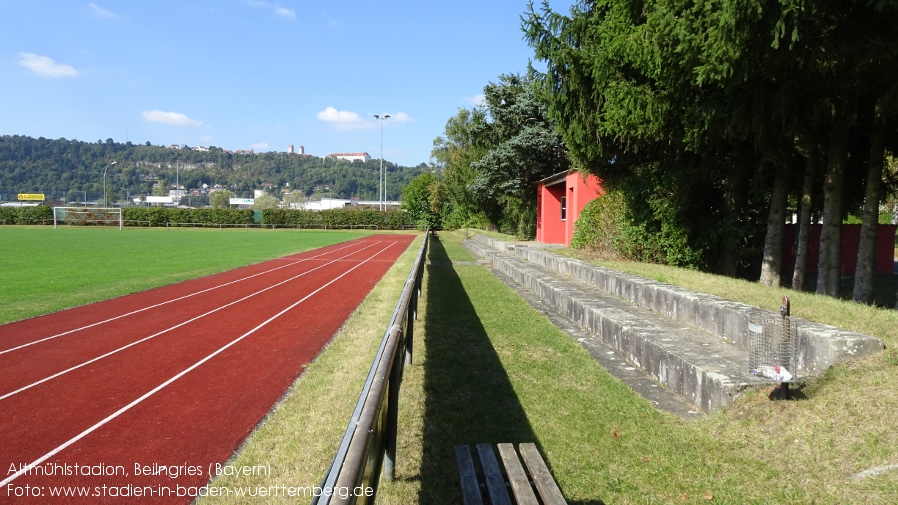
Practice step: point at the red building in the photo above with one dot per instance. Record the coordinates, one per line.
(559, 201)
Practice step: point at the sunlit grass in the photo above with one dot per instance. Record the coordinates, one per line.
(495, 370)
(43, 269)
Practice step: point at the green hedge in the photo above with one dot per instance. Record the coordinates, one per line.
(272, 218)
(606, 226)
(157, 216)
(335, 218)
(40, 214)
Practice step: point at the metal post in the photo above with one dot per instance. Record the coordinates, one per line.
(392, 426)
(382, 190)
(785, 312)
(410, 327)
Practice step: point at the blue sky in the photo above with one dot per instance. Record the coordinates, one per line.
(241, 74)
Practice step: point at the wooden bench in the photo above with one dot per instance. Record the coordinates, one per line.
(491, 482)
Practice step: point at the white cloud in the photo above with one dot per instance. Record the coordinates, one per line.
(477, 100)
(45, 65)
(400, 117)
(343, 119)
(283, 12)
(103, 13)
(172, 118)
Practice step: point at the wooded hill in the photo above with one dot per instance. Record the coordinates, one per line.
(70, 170)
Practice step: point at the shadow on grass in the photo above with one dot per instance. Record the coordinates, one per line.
(469, 398)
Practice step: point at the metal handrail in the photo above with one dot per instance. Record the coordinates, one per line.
(368, 445)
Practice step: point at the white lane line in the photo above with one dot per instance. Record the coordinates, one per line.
(132, 344)
(158, 388)
(92, 325)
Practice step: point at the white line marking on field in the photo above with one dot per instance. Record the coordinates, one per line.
(873, 472)
(158, 388)
(132, 344)
(169, 301)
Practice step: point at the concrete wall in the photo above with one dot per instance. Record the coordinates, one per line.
(820, 345)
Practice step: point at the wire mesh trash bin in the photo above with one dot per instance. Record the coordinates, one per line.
(773, 345)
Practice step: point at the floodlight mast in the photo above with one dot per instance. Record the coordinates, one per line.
(104, 183)
(382, 190)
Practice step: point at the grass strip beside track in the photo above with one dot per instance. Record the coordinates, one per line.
(490, 369)
(44, 270)
(299, 438)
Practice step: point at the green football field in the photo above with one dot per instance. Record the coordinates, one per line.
(43, 269)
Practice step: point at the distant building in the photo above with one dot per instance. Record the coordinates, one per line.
(350, 156)
(339, 203)
(290, 149)
(323, 204)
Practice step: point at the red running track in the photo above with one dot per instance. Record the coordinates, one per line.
(151, 390)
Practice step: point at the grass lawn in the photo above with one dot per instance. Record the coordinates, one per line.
(493, 370)
(488, 368)
(43, 269)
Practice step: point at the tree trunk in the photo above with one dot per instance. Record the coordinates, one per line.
(734, 203)
(804, 217)
(829, 268)
(866, 253)
(773, 242)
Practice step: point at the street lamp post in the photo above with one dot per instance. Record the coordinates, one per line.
(104, 181)
(178, 181)
(382, 190)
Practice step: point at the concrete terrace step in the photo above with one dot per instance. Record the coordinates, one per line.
(820, 346)
(705, 370)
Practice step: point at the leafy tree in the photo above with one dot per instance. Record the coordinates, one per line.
(220, 199)
(623, 87)
(419, 202)
(463, 143)
(265, 202)
(294, 197)
(492, 157)
(720, 102)
(524, 149)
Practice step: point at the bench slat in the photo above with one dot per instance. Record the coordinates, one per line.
(467, 476)
(492, 475)
(520, 484)
(542, 479)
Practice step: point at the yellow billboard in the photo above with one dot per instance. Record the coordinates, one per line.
(31, 197)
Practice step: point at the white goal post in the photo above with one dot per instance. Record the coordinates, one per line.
(90, 216)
